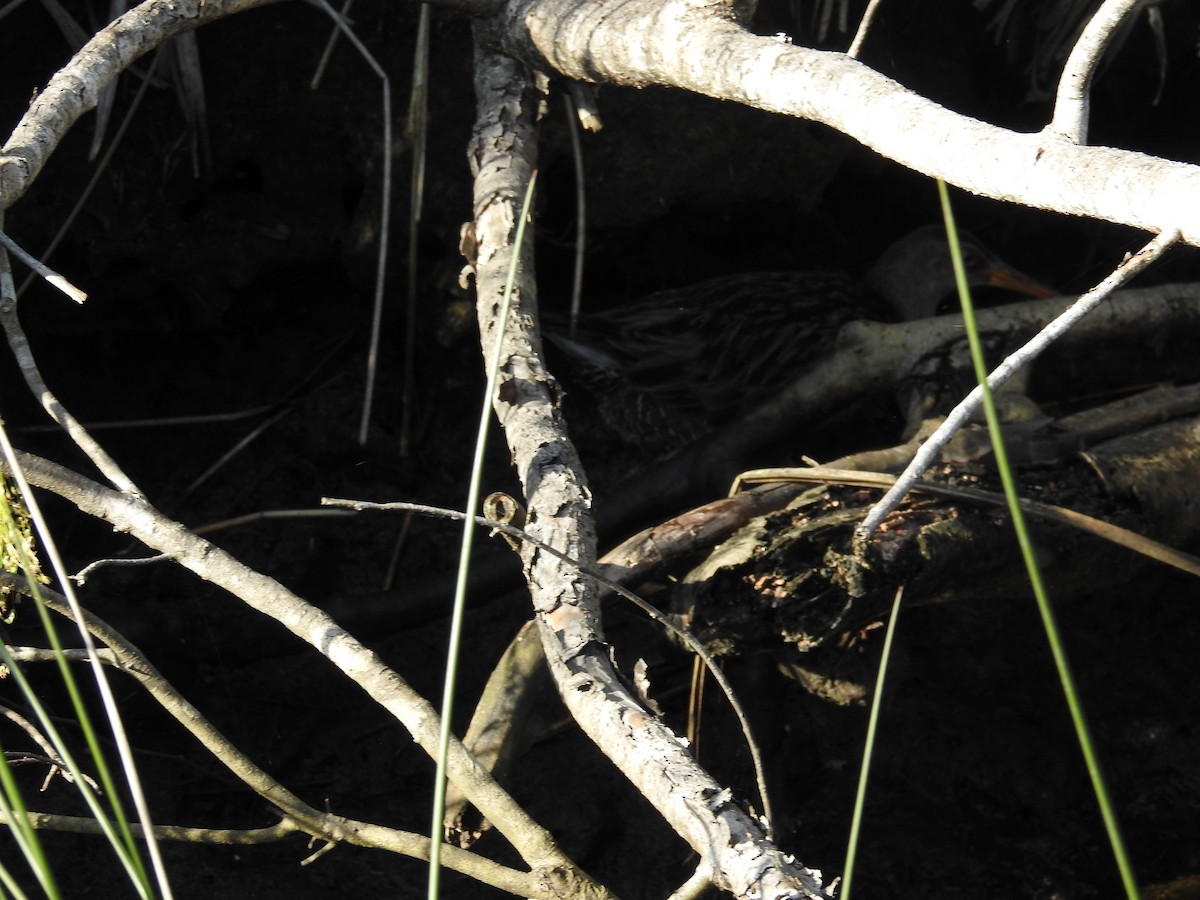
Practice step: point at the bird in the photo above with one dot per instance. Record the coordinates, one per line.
(663, 371)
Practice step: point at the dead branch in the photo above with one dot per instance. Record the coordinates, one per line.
(645, 42)
(651, 756)
(299, 817)
(785, 579)
(312, 625)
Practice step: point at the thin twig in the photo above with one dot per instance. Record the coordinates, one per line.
(19, 344)
(389, 576)
(1073, 99)
(80, 578)
(39, 654)
(245, 441)
(264, 515)
(164, 422)
(418, 138)
(327, 53)
(864, 26)
(385, 214)
(930, 451)
(684, 635)
(573, 126)
(279, 411)
(51, 277)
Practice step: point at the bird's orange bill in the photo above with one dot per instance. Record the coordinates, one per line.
(1002, 276)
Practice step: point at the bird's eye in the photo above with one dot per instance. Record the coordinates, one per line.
(972, 258)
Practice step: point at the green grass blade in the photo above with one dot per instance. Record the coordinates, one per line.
(860, 796)
(1057, 650)
(16, 537)
(460, 587)
(12, 806)
(9, 886)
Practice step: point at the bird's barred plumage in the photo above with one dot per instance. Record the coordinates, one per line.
(664, 370)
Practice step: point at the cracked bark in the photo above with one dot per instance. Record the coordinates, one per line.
(729, 840)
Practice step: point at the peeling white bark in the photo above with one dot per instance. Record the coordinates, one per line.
(680, 44)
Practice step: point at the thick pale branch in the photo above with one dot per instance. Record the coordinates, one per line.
(697, 47)
(653, 758)
(679, 44)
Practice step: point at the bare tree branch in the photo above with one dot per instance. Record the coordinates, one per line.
(1073, 100)
(931, 450)
(645, 42)
(698, 47)
(299, 817)
(702, 812)
(315, 627)
(77, 87)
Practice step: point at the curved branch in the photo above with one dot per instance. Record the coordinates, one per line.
(10, 323)
(315, 627)
(931, 450)
(1073, 100)
(362, 834)
(77, 87)
(673, 43)
(299, 817)
(697, 47)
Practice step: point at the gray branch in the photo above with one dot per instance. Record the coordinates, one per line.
(656, 761)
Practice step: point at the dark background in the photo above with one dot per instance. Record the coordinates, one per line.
(249, 286)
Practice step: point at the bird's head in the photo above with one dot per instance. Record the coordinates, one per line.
(914, 274)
